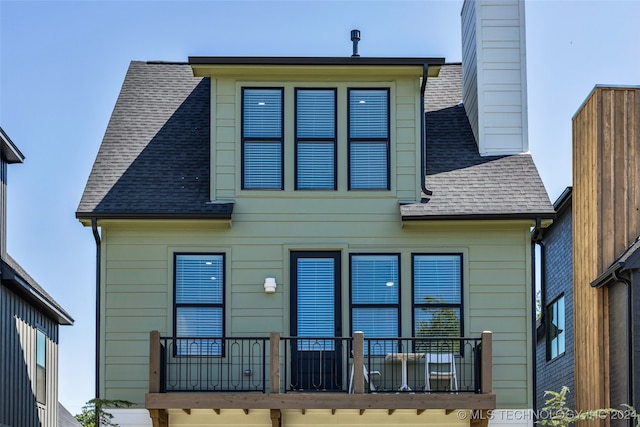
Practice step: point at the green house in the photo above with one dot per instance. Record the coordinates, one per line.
(291, 240)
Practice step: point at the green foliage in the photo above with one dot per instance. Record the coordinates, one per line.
(443, 323)
(557, 414)
(94, 414)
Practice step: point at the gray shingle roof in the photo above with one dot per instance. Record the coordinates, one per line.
(154, 157)
(464, 183)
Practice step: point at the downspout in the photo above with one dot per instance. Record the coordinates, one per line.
(536, 238)
(629, 332)
(423, 137)
(96, 236)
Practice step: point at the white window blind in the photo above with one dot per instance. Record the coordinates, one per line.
(315, 139)
(368, 139)
(199, 310)
(437, 295)
(375, 306)
(316, 297)
(262, 139)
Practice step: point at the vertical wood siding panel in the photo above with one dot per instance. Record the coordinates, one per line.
(607, 202)
(18, 330)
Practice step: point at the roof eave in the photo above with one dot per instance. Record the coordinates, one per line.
(479, 217)
(318, 61)
(9, 150)
(22, 288)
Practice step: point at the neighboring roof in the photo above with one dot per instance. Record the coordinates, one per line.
(8, 149)
(561, 205)
(19, 281)
(466, 185)
(628, 260)
(65, 419)
(154, 158)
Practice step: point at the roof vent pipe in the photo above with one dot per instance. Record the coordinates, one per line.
(355, 38)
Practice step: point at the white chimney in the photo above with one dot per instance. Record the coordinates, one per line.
(494, 75)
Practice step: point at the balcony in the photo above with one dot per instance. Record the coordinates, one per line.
(300, 373)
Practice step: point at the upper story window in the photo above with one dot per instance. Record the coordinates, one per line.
(437, 298)
(41, 367)
(555, 327)
(262, 138)
(199, 304)
(368, 139)
(375, 298)
(315, 139)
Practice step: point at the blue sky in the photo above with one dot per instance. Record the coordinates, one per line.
(62, 64)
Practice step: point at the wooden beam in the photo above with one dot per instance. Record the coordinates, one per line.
(276, 418)
(274, 362)
(487, 363)
(154, 362)
(159, 417)
(320, 401)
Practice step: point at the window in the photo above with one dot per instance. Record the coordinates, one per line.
(199, 304)
(315, 139)
(555, 328)
(41, 367)
(262, 138)
(437, 298)
(368, 139)
(375, 297)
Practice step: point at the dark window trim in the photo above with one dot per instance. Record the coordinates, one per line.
(547, 328)
(398, 305)
(334, 139)
(244, 140)
(222, 305)
(414, 305)
(355, 140)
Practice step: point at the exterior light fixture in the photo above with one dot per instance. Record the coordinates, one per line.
(270, 285)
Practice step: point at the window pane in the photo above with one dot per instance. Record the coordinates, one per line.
(262, 113)
(374, 280)
(199, 321)
(437, 298)
(41, 367)
(368, 113)
(368, 165)
(316, 112)
(316, 165)
(436, 279)
(262, 165)
(199, 279)
(316, 288)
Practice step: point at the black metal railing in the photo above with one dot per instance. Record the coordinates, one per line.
(423, 364)
(213, 364)
(319, 364)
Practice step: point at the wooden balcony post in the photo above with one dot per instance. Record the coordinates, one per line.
(487, 363)
(154, 362)
(274, 361)
(358, 362)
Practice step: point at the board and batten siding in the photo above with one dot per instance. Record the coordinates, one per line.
(19, 323)
(137, 278)
(606, 202)
(404, 117)
(494, 74)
